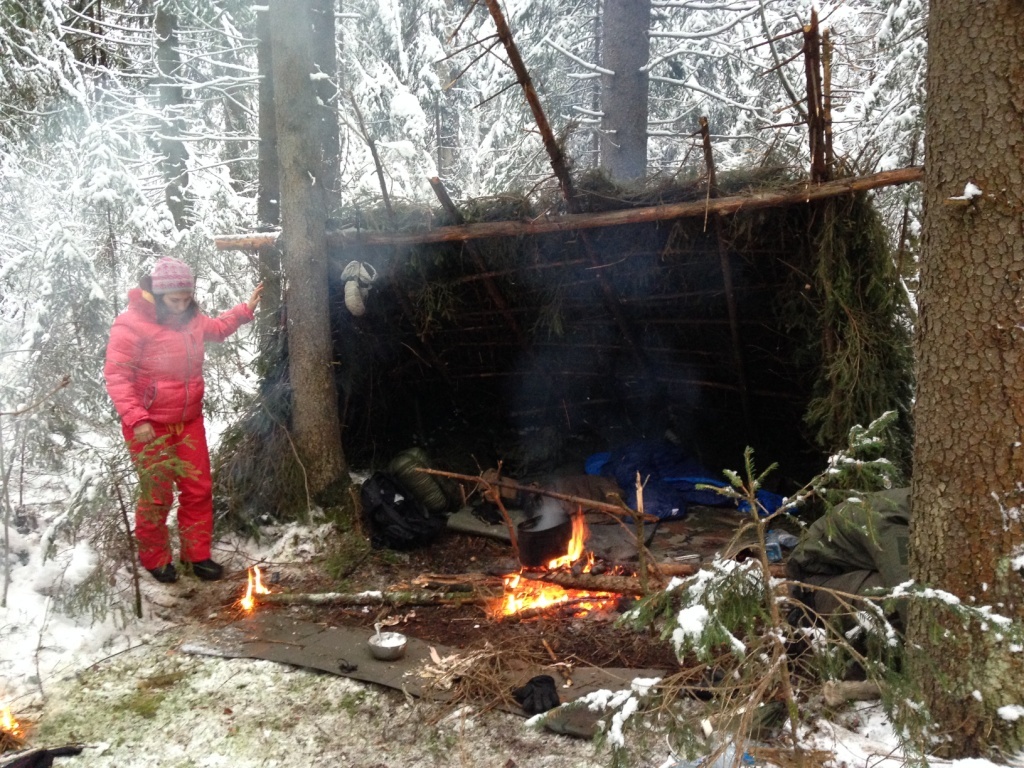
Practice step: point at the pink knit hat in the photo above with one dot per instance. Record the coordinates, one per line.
(170, 275)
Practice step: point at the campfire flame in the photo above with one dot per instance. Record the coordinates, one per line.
(519, 597)
(248, 602)
(528, 595)
(574, 551)
(8, 725)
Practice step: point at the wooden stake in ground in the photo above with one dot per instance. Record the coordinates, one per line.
(563, 667)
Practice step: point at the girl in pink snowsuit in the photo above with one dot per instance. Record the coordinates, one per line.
(154, 375)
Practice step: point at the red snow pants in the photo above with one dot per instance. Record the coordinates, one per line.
(179, 456)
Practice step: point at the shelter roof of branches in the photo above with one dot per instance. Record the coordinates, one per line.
(534, 341)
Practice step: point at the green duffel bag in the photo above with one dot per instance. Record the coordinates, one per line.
(429, 490)
(854, 548)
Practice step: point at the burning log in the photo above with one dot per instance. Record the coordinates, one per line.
(551, 610)
(395, 598)
(587, 582)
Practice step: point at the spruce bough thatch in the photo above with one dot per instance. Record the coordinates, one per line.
(464, 346)
(864, 325)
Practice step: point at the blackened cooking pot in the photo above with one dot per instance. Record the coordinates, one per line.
(545, 535)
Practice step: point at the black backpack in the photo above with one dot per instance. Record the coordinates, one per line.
(394, 518)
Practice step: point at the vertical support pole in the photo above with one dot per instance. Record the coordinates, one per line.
(815, 116)
(269, 322)
(730, 295)
(826, 95)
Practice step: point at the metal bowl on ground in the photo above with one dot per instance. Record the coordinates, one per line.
(388, 646)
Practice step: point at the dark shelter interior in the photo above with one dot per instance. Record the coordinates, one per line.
(777, 328)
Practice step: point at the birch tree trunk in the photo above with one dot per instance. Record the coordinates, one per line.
(315, 420)
(969, 450)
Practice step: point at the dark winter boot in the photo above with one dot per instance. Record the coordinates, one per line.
(207, 570)
(165, 573)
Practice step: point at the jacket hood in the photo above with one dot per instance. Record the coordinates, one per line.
(143, 302)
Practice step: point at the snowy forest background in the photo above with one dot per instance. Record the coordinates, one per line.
(84, 129)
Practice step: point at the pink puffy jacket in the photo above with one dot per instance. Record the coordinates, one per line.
(155, 372)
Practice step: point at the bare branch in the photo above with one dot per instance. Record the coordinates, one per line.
(577, 59)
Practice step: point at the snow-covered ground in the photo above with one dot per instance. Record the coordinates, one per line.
(135, 698)
(157, 706)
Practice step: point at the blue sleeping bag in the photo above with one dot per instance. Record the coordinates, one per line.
(671, 479)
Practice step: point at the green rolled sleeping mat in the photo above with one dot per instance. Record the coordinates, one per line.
(437, 494)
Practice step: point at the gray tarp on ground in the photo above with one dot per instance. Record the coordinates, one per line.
(276, 636)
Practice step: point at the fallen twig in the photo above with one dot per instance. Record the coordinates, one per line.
(776, 570)
(458, 582)
(564, 668)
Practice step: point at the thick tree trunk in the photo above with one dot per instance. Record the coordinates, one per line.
(315, 421)
(268, 195)
(969, 450)
(624, 94)
(268, 208)
(175, 157)
(234, 152)
(325, 61)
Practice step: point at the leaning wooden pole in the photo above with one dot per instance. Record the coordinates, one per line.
(497, 298)
(613, 303)
(561, 171)
(558, 162)
(826, 99)
(378, 164)
(490, 285)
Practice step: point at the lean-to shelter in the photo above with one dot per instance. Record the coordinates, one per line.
(770, 317)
